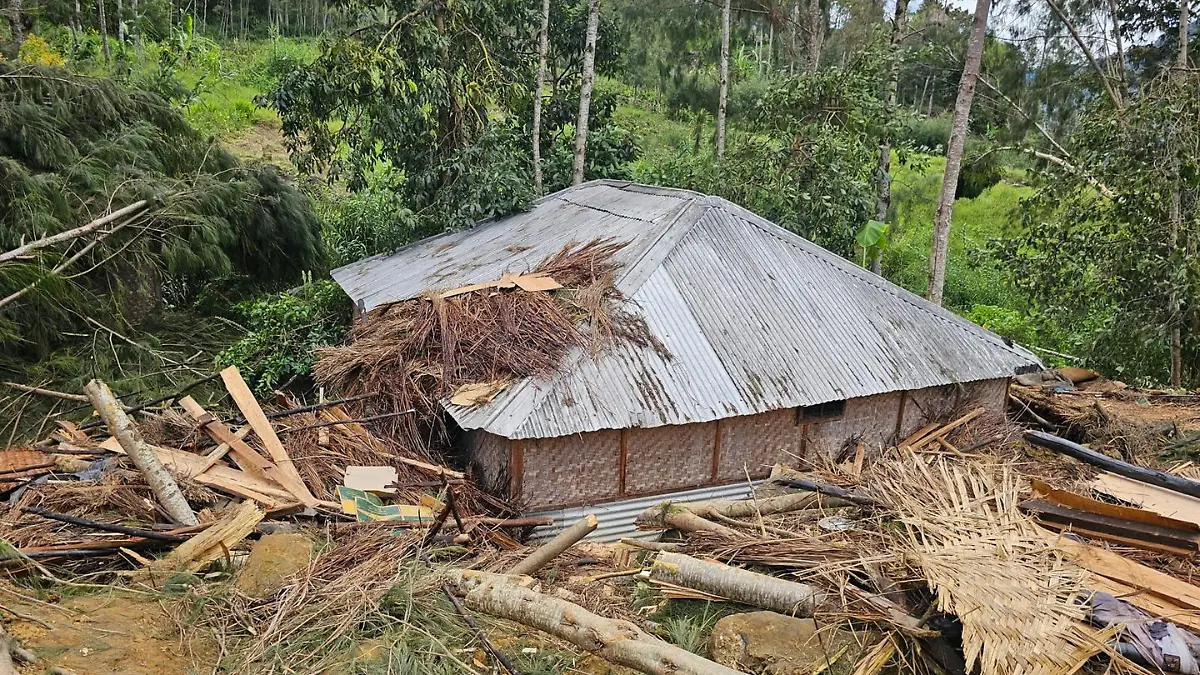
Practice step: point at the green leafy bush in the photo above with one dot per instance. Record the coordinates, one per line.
(284, 330)
(1005, 322)
(930, 133)
(361, 224)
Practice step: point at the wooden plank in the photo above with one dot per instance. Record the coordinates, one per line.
(1164, 502)
(1074, 501)
(196, 553)
(1156, 606)
(1092, 531)
(243, 455)
(287, 475)
(1119, 568)
(218, 452)
(223, 478)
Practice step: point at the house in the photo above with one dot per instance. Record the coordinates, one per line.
(778, 350)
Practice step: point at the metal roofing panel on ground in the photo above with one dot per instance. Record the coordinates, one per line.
(753, 317)
(616, 518)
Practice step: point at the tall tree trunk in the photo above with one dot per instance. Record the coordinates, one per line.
(770, 40)
(921, 99)
(585, 91)
(76, 25)
(815, 20)
(723, 96)
(1176, 222)
(939, 250)
(103, 29)
(1184, 20)
(794, 16)
(14, 17)
(543, 43)
(883, 180)
(120, 22)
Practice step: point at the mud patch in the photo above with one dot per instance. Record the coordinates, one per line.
(112, 633)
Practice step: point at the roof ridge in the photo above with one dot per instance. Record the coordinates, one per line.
(841, 264)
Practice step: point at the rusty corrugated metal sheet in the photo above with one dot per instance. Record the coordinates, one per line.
(754, 318)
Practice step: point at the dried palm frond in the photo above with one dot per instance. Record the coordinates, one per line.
(1019, 603)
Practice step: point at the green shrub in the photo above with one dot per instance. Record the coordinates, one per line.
(362, 224)
(284, 330)
(930, 133)
(1005, 322)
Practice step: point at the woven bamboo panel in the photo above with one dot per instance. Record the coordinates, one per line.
(660, 459)
(871, 419)
(755, 443)
(488, 457)
(571, 469)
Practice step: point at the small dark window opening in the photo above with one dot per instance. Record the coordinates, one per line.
(821, 412)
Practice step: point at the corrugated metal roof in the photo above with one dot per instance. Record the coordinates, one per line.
(754, 317)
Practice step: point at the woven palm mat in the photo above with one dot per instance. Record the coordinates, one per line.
(989, 565)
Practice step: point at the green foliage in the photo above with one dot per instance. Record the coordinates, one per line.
(1122, 272)
(928, 133)
(36, 51)
(283, 331)
(72, 148)
(807, 160)
(362, 224)
(1006, 322)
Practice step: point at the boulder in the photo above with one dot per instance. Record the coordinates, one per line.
(768, 643)
(273, 559)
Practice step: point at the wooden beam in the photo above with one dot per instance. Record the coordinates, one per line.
(716, 453)
(516, 468)
(287, 475)
(243, 455)
(1089, 456)
(622, 460)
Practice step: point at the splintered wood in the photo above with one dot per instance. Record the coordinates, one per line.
(991, 566)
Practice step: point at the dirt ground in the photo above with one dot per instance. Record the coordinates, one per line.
(261, 143)
(107, 633)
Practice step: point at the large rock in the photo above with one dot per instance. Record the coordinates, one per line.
(273, 559)
(767, 643)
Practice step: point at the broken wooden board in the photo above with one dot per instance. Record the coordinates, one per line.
(213, 543)
(1166, 503)
(219, 477)
(243, 455)
(287, 475)
(1062, 510)
(1114, 566)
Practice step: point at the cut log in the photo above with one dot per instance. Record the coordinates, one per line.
(739, 585)
(143, 456)
(1089, 456)
(761, 590)
(668, 515)
(614, 640)
(551, 549)
(749, 508)
(287, 475)
(196, 553)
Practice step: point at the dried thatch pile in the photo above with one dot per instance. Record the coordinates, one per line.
(417, 352)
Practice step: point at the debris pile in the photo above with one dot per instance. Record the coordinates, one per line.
(972, 546)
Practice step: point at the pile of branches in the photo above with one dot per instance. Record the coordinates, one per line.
(417, 352)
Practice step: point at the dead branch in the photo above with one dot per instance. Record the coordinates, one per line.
(80, 231)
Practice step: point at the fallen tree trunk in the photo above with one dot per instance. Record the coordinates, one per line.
(761, 590)
(739, 585)
(550, 550)
(750, 508)
(613, 640)
(144, 458)
(1089, 456)
(668, 515)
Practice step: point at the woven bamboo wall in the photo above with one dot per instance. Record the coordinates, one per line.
(488, 461)
(587, 468)
(571, 469)
(654, 463)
